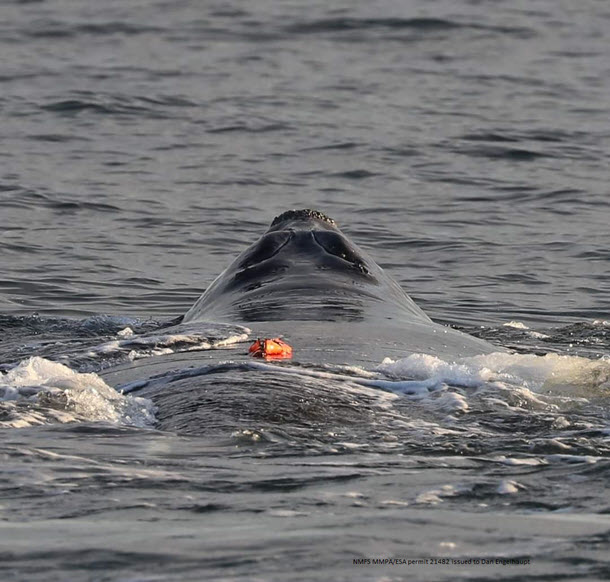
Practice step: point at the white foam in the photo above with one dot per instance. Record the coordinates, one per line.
(55, 393)
(452, 402)
(126, 332)
(550, 374)
(537, 335)
(397, 502)
(501, 380)
(286, 513)
(528, 461)
(556, 458)
(508, 487)
(434, 371)
(516, 325)
(435, 496)
(145, 346)
(586, 459)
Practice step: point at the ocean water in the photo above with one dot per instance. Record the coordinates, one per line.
(464, 145)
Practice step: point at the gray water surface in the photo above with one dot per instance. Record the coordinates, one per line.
(464, 145)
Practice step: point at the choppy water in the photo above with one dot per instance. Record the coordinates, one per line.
(465, 145)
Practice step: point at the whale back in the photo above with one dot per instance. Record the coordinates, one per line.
(308, 281)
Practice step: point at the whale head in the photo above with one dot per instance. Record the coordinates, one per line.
(302, 268)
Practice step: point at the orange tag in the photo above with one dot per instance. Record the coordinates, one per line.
(270, 349)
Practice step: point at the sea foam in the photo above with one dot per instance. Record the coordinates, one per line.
(549, 374)
(38, 391)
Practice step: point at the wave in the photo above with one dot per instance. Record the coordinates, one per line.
(341, 24)
(39, 391)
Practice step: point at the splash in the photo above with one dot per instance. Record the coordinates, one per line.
(549, 374)
(38, 391)
(130, 346)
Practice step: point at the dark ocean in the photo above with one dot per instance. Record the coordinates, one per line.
(465, 145)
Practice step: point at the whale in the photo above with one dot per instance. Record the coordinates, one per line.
(307, 281)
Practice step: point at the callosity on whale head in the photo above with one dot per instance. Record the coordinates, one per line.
(306, 279)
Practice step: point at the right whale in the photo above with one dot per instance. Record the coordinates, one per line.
(307, 281)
